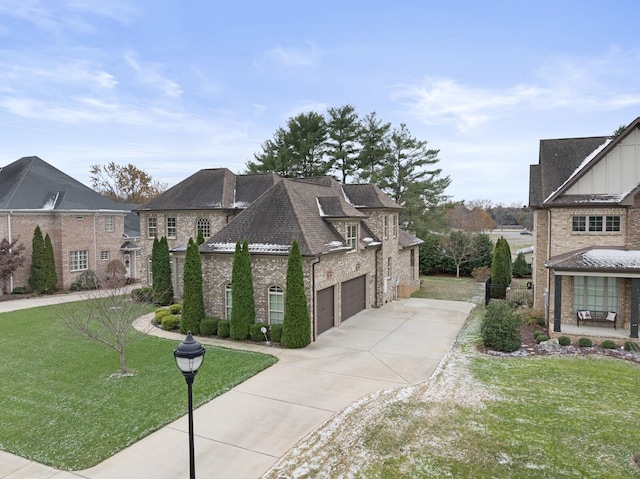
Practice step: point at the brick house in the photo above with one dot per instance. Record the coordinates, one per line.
(355, 256)
(585, 193)
(86, 229)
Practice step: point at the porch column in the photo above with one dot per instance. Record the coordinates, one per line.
(557, 302)
(635, 297)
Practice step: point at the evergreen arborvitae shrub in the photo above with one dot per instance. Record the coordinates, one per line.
(243, 311)
(500, 329)
(255, 332)
(200, 238)
(275, 331)
(520, 267)
(564, 340)
(223, 328)
(38, 272)
(161, 272)
(50, 265)
(192, 297)
(500, 269)
(296, 325)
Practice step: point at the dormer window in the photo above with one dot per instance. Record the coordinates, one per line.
(352, 236)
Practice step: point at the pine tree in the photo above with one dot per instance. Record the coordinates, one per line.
(38, 276)
(192, 298)
(50, 265)
(161, 272)
(296, 326)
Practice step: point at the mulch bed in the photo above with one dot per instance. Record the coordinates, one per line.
(531, 348)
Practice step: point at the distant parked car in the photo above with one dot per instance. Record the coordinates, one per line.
(526, 232)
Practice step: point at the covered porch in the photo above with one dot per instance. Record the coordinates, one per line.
(606, 280)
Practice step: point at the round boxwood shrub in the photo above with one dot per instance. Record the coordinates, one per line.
(608, 344)
(160, 314)
(276, 332)
(209, 326)
(255, 331)
(631, 346)
(175, 308)
(541, 338)
(537, 332)
(500, 329)
(223, 328)
(564, 340)
(585, 343)
(170, 322)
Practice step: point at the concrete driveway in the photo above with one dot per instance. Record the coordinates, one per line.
(242, 433)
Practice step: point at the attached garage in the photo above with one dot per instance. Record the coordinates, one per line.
(326, 309)
(353, 296)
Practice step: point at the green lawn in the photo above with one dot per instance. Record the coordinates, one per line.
(60, 407)
(451, 288)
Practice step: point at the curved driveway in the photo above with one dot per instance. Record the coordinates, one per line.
(241, 433)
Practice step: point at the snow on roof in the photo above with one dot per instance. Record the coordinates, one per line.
(584, 163)
(253, 247)
(611, 258)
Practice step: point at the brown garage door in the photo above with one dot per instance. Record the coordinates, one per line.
(325, 309)
(353, 297)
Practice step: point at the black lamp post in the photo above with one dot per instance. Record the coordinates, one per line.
(189, 357)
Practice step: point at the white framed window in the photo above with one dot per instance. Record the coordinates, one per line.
(352, 236)
(227, 300)
(109, 225)
(386, 226)
(276, 305)
(389, 267)
(152, 227)
(171, 228)
(203, 225)
(394, 226)
(78, 260)
(104, 255)
(595, 223)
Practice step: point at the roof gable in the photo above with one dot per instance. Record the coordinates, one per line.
(369, 196)
(33, 184)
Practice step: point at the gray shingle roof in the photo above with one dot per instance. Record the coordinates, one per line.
(216, 188)
(407, 240)
(289, 210)
(32, 184)
(611, 260)
(369, 196)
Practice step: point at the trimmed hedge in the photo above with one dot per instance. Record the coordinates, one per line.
(175, 308)
(209, 326)
(223, 328)
(540, 338)
(585, 342)
(500, 329)
(608, 344)
(276, 332)
(255, 331)
(564, 340)
(170, 322)
(160, 314)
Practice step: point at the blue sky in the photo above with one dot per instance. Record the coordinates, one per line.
(173, 86)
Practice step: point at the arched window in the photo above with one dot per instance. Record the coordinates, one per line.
(227, 300)
(203, 225)
(276, 305)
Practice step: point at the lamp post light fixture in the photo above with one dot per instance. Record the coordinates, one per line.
(189, 356)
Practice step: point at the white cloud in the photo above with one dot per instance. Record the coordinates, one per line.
(151, 74)
(293, 57)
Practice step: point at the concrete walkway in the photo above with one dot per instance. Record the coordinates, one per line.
(242, 433)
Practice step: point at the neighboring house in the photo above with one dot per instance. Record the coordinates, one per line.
(587, 227)
(355, 256)
(86, 229)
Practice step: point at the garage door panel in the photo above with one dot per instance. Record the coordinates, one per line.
(353, 294)
(326, 309)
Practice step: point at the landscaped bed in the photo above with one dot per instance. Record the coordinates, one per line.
(61, 408)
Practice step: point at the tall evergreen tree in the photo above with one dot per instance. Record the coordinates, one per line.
(243, 312)
(192, 297)
(250, 316)
(50, 264)
(500, 269)
(343, 129)
(296, 325)
(200, 239)
(38, 276)
(161, 272)
(374, 141)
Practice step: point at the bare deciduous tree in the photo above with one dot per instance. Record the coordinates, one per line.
(11, 258)
(106, 315)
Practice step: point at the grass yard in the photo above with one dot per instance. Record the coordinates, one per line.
(451, 288)
(483, 416)
(60, 407)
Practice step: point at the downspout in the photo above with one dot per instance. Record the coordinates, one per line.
(10, 240)
(95, 244)
(314, 334)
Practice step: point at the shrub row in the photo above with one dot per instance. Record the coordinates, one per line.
(222, 329)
